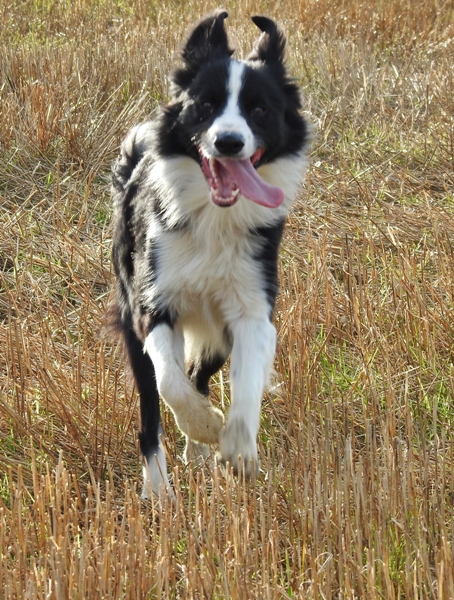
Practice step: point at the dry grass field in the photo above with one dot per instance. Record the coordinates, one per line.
(356, 495)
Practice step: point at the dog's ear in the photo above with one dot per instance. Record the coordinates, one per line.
(270, 47)
(207, 40)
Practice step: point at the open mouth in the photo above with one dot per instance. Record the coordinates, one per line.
(228, 177)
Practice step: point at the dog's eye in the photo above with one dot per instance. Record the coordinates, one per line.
(206, 105)
(258, 111)
(205, 109)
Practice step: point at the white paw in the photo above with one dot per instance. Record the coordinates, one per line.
(155, 480)
(194, 413)
(195, 452)
(199, 420)
(239, 448)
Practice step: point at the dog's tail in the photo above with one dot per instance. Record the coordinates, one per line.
(133, 149)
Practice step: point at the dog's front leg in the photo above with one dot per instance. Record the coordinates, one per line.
(194, 414)
(254, 346)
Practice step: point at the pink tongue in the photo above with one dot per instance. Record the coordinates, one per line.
(251, 184)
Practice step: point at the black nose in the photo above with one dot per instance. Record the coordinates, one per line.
(229, 143)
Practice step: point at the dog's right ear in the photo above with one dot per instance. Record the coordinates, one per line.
(208, 39)
(206, 42)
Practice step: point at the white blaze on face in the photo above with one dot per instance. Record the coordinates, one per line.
(228, 175)
(231, 120)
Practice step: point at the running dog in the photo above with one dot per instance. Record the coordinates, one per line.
(201, 195)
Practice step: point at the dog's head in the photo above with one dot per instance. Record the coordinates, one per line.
(234, 116)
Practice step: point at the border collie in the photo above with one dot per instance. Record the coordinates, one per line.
(201, 195)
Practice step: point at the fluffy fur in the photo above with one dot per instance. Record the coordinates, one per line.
(201, 195)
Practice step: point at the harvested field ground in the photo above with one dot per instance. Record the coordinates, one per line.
(356, 495)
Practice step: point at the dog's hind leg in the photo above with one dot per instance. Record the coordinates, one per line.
(200, 372)
(154, 461)
(194, 414)
(202, 369)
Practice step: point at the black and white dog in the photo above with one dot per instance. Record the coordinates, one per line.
(201, 196)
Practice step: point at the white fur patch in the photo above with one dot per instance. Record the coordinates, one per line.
(231, 120)
(184, 192)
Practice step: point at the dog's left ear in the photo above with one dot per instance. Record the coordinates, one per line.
(270, 47)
